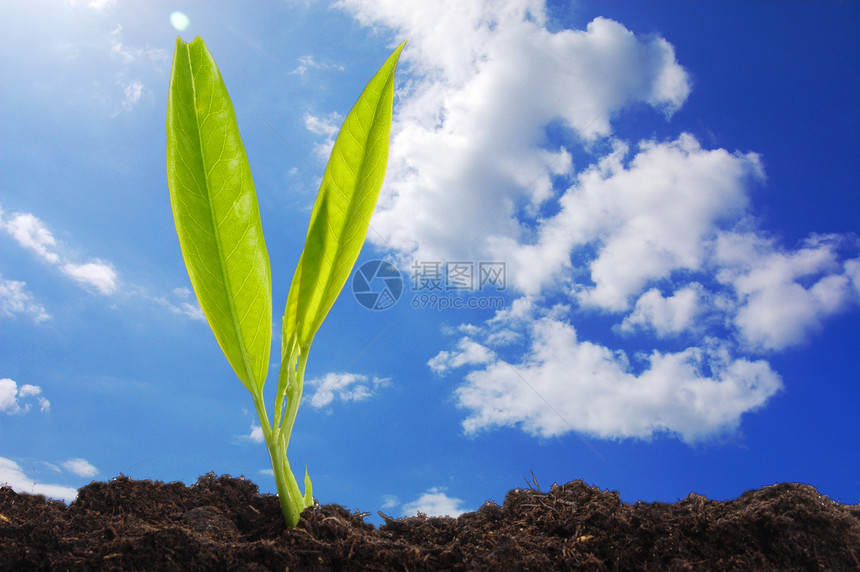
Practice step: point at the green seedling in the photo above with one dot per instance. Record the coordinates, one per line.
(218, 222)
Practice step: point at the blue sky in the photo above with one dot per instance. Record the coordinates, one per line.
(670, 188)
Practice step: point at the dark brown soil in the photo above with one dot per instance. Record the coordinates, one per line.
(222, 523)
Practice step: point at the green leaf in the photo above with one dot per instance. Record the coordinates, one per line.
(216, 214)
(309, 491)
(341, 215)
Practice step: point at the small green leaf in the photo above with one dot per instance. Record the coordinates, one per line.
(341, 215)
(216, 214)
(309, 491)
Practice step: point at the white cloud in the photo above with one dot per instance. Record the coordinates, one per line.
(13, 476)
(305, 62)
(308, 62)
(14, 399)
(328, 127)
(343, 386)
(484, 85)
(564, 384)
(468, 352)
(32, 235)
(256, 435)
(783, 296)
(434, 502)
(182, 292)
(110, 75)
(97, 274)
(390, 501)
(136, 60)
(8, 395)
(80, 467)
(644, 220)
(189, 308)
(852, 270)
(666, 316)
(133, 92)
(16, 299)
(193, 311)
(643, 236)
(131, 54)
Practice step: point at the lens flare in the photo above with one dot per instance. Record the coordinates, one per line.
(180, 21)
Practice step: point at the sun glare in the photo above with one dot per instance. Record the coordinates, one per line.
(180, 21)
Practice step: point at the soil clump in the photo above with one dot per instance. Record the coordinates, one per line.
(224, 523)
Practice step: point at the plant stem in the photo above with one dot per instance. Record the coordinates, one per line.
(294, 395)
(289, 495)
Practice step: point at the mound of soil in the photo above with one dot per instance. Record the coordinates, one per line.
(223, 523)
